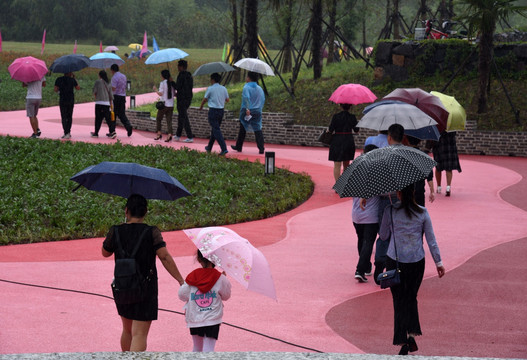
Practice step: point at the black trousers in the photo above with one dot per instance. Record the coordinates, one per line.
(404, 295)
(366, 234)
(119, 107)
(103, 112)
(66, 114)
(182, 120)
(258, 135)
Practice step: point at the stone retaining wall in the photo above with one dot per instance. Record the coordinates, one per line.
(278, 128)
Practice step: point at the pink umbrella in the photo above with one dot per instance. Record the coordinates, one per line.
(27, 69)
(111, 48)
(352, 94)
(236, 256)
(428, 103)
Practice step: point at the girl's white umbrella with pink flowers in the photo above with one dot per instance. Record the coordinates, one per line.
(236, 256)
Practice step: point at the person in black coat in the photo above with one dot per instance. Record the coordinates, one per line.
(342, 148)
(184, 85)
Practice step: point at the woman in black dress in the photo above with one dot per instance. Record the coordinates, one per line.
(138, 317)
(342, 148)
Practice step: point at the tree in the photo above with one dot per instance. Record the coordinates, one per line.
(251, 27)
(482, 16)
(316, 33)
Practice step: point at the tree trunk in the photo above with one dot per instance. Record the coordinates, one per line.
(395, 17)
(288, 46)
(235, 38)
(331, 38)
(251, 27)
(364, 45)
(484, 68)
(316, 43)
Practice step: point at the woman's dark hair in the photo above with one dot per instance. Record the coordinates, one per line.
(203, 260)
(345, 107)
(408, 201)
(137, 205)
(104, 76)
(166, 75)
(253, 76)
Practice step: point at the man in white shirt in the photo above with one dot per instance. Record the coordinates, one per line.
(33, 100)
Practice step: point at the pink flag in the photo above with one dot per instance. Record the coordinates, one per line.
(0, 41)
(43, 42)
(75, 47)
(145, 46)
(100, 46)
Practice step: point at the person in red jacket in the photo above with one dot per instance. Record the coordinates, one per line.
(204, 291)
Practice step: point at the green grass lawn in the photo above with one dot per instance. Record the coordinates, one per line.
(38, 203)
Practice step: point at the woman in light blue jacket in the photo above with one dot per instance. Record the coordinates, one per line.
(403, 224)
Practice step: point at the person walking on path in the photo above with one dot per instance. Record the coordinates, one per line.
(395, 137)
(216, 96)
(365, 217)
(253, 100)
(204, 291)
(166, 91)
(184, 86)
(446, 156)
(102, 91)
(119, 97)
(342, 148)
(420, 185)
(137, 317)
(403, 225)
(65, 85)
(33, 100)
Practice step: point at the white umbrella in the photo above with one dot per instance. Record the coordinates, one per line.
(381, 117)
(255, 65)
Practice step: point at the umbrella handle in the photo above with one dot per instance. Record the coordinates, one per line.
(78, 186)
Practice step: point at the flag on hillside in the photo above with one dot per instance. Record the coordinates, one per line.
(224, 52)
(100, 46)
(0, 41)
(43, 42)
(75, 47)
(144, 49)
(154, 44)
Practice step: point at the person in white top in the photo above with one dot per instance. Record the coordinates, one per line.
(166, 92)
(204, 291)
(33, 100)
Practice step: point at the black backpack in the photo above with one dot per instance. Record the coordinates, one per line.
(129, 285)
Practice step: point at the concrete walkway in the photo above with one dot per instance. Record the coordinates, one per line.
(477, 309)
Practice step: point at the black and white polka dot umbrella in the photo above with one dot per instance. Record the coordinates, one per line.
(383, 170)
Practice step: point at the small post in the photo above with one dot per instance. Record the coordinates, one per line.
(128, 85)
(269, 162)
(132, 101)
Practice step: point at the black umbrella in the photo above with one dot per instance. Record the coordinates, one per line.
(125, 179)
(213, 67)
(382, 171)
(69, 63)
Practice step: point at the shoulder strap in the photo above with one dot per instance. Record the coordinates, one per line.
(122, 254)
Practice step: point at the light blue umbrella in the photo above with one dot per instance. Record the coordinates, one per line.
(165, 56)
(104, 60)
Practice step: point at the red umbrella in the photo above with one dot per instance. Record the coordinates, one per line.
(428, 103)
(352, 94)
(27, 69)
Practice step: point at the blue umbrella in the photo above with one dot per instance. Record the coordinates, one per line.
(165, 56)
(104, 60)
(70, 63)
(125, 179)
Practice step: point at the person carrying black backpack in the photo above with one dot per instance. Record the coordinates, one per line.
(184, 86)
(144, 242)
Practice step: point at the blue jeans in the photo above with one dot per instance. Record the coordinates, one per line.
(215, 117)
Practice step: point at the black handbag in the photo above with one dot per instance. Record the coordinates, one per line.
(326, 137)
(160, 105)
(392, 277)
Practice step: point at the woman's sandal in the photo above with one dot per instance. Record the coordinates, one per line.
(169, 138)
(158, 137)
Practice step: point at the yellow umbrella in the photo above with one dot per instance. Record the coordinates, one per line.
(457, 117)
(135, 46)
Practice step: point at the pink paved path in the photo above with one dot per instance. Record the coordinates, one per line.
(477, 309)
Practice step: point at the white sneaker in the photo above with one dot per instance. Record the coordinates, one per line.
(188, 140)
(66, 136)
(447, 191)
(176, 138)
(439, 189)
